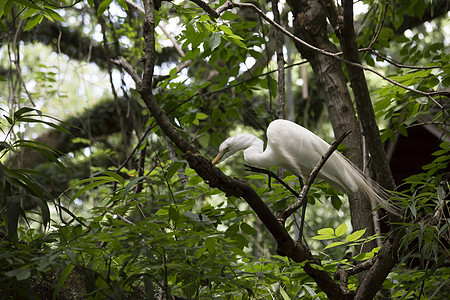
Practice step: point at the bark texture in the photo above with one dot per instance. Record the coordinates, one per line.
(310, 25)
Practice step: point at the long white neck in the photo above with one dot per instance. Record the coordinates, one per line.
(255, 155)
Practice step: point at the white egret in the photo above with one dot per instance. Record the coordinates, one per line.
(298, 150)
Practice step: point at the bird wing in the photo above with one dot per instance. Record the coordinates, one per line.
(299, 150)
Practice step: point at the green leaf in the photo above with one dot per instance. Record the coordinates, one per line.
(228, 15)
(326, 231)
(232, 230)
(334, 245)
(173, 214)
(237, 251)
(53, 125)
(148, 286)
(44, 149)
(364, 256)
(402, 130)
(341, 229)
(123, 4)
(201, 116)
(355, 235)
(115, 176)
(210, 244)
(45, 211)
(336, 202)
(323, 237)
(130, 185)
(7, 8)
(215, 38)
(27, 3)
(20, 274)
(13, 206)
(248, 229)
(103, 6)
(173, 169)
(284, 294)
(193, 181)
(23, 111)
(53, 15)
(5, 145)
(62, 278)
(226, 29)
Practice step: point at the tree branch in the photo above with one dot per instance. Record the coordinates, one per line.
(343, 274)
(280, 62)
(122, 62)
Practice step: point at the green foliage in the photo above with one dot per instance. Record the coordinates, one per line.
(353, 239)
(160, 230)
(18, 184)
(32, 11)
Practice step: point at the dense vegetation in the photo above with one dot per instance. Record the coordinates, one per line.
(112, 110)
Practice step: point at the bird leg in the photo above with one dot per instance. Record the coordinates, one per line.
(301, 200)
(302, 220)
(271, 174)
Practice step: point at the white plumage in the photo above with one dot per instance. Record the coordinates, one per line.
(298, 150)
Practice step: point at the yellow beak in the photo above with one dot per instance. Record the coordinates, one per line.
(217, 159)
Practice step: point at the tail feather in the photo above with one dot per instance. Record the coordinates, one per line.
(377, 195)
(371, 189)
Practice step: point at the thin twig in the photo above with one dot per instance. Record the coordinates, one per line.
(135, 5)
(17, 62)
(236, 84)
(122, 62)
(172, 39)
(312, 176)
(386, 4)
(208, 9)
(398, 65)
(169, 36)
(373, 51)
(143, 137)
(271, 174)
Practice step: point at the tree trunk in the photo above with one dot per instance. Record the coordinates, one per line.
(310, 26)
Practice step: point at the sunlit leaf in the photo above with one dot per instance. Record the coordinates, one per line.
(341, 229)
(326, 231)
(284, 294)
(355, 235)
(334, 245)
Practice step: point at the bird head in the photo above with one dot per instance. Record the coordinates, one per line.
(233, 144)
